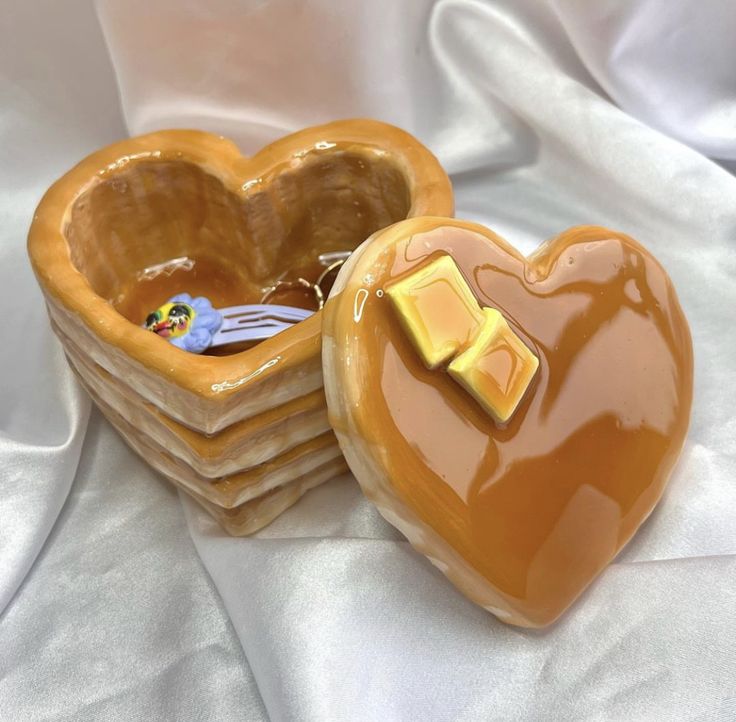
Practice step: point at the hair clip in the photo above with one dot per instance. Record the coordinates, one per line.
(192, 324)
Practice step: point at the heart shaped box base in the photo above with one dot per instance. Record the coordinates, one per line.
(244, 432)
(521, 516)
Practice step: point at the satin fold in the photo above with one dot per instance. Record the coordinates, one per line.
(548, 114)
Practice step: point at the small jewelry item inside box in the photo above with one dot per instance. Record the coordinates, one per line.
(192, 324)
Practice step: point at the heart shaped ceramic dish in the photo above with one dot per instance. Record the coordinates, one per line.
(520, 515)
(184, 211)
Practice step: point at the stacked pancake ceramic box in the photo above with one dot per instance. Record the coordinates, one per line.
(245, 434)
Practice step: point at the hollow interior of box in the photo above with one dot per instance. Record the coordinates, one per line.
(155, 228)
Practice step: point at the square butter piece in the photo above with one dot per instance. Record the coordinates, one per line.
(437, 310)
(497, 368)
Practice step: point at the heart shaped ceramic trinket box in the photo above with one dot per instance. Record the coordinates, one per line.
(243, 429)
(516, 418)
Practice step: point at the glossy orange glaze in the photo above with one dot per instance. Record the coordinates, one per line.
(183, 211)
(149, 288)
(160, 226)
(534, 510)
(156, 199)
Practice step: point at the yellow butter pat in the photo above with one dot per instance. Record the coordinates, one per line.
(437, 310)
(497, 368)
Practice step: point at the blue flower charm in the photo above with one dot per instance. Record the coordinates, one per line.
(188, 323)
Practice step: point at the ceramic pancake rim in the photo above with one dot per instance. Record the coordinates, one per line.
(211, 378)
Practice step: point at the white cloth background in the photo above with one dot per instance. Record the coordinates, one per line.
(547, 113)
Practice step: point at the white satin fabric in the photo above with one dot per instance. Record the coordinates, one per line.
(547, 113)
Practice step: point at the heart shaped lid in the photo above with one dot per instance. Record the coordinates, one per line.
(516, 419)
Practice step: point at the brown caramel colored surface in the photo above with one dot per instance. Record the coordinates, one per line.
(520, 517)
(182, 210)
(158, 227)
